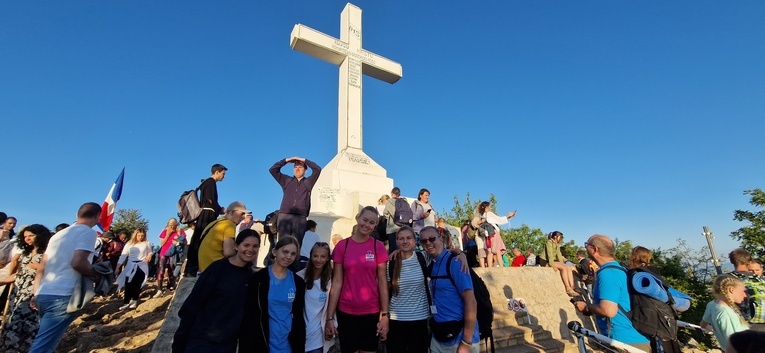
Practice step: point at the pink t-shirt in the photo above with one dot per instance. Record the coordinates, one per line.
(169, 242)
(360, 294)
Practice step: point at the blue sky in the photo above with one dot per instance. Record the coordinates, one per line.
(640, 120)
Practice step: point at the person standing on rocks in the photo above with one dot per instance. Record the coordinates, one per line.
(296, 202)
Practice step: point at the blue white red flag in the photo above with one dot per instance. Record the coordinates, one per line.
(110, 204)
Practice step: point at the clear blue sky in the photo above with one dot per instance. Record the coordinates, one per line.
(641, 120)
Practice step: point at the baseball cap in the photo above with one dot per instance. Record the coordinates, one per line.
(238, 206)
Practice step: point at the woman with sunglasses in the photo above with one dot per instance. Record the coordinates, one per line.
(212, 313)
(318, 281)
(359, 291)
(273, 314)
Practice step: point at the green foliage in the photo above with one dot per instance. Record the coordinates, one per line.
(568, 249)
(523, 238)
(128, 220)
(461, 212)
(752, 236)
(623, 250)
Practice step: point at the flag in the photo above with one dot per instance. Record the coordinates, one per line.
(110, 204)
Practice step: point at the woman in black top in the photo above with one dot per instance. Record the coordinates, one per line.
(212, 313)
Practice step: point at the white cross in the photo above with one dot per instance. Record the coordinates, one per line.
(353, 61)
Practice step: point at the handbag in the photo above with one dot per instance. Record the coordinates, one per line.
(447, 330)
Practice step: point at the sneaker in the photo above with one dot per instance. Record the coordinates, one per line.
(133, 304)
(125, 307)
(159, 294)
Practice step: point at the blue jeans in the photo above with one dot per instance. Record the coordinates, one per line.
(53, 322)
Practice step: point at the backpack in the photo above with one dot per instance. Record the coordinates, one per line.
(651, 317)
(189, 207)
(403, 214)
(269, 227)
(471, 232)
(425, 274)
(484, 308)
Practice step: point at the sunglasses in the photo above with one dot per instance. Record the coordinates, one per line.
(424, 241)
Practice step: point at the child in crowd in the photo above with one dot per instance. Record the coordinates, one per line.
(722, 313)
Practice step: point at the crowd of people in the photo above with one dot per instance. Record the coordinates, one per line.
(391, 282)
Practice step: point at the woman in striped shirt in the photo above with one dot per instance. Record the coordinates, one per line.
(409, 303)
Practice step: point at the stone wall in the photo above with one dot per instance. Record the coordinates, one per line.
(548, 304)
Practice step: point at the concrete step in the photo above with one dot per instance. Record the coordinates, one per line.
(515, 335)
(549, 345)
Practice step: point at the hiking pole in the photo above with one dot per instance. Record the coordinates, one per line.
(691, 326)
(577, 328)
(715, 260)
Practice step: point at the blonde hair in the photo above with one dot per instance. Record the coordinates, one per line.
(383, 199)
(721, 288)
(133, 239)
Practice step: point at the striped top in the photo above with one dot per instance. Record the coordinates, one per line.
(411, 303)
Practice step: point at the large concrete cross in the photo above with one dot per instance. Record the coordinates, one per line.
(353, 61)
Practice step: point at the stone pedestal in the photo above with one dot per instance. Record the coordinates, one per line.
(348, 182)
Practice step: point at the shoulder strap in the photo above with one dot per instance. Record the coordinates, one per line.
(449, 269)
(424, 267)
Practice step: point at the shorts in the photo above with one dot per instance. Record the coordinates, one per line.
(357, 332)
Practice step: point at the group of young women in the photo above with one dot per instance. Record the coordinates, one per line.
(276, 310)
(347, 304)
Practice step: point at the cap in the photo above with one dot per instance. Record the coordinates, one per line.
(238, 206)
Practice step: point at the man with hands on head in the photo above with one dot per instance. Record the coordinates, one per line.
(296, 202)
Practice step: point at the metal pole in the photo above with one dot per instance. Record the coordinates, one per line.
(715, 260)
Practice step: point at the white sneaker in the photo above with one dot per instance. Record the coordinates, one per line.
(124, 307)
(133, 304)
(159, 294)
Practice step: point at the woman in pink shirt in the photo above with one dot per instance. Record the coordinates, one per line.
(167, 238)
(359, 290)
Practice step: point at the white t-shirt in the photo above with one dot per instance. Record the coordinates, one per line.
(309, 239)
(314, 305)
(59, 275)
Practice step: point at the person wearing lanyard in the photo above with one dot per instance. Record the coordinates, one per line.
(454, 323)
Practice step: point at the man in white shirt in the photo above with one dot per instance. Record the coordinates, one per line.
(309, 239)
(67, 256)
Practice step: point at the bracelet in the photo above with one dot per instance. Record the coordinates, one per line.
(331, 319)
(465, 343)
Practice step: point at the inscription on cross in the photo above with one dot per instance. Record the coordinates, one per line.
(354, 61)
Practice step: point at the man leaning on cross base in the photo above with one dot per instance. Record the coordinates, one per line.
(296, 202)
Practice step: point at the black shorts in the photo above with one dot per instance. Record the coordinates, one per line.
(357, 332)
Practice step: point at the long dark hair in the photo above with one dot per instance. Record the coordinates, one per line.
(42, 236)
(326, 270)
(395, 277)
(482, 207)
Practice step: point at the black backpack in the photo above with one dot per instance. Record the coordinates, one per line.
(269, 225)
(651, 317)
(485, 310)
(402, 215)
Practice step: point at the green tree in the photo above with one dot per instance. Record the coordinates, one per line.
(128, 220)
(464, 210)
(623, 250)
(752, 236)
(524, 237)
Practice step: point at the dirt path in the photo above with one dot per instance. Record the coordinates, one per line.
(102, 327)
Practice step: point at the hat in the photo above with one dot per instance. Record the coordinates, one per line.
(108, 234)
(238, 206)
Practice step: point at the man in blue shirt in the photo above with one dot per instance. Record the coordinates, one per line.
(454, 308)
(609, 294)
